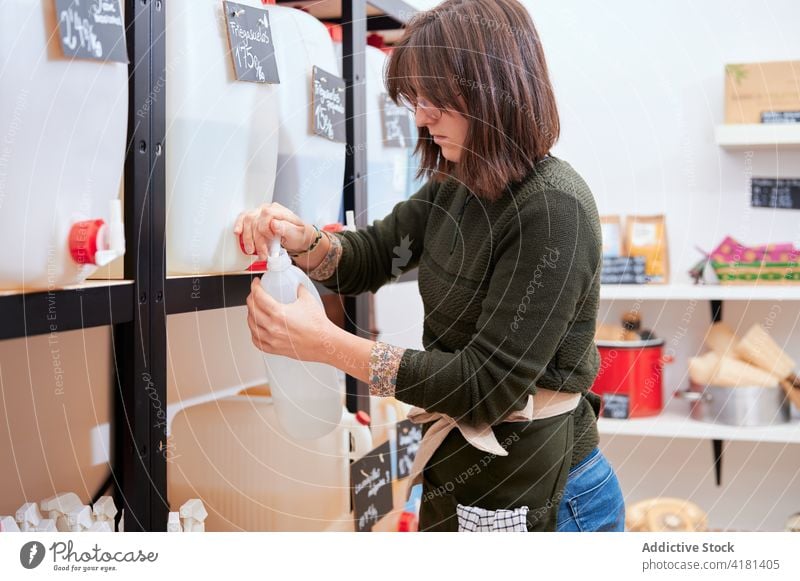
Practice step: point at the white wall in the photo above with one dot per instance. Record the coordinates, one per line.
(640, 89)
(55, 404)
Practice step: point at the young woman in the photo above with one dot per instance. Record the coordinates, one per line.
(506, 238)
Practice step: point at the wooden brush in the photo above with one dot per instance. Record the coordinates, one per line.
(721, 339)
(731, 372)
(702, 369)
(761, 350)
(792, 392)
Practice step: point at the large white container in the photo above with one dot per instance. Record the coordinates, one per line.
(222, 140)
(390, 170)
(310, 167)
(233, 455)
(387, 167)
(308, 396)
(62, 150)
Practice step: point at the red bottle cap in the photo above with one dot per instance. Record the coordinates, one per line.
(258, 266)
(83, 241)
(335, 227)
(363, 418)
(334, 30)
(407, 523)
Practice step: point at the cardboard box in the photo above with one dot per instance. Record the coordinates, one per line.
(755, 88)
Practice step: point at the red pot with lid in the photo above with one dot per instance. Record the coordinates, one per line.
(630, 378)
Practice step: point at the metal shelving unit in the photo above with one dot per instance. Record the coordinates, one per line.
(137, 307)
(94, 304)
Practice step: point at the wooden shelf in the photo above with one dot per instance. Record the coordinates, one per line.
(758, 136)
(688, 292)
(89, 284)
(675, 422)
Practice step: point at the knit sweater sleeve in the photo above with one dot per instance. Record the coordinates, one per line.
(544, 263)
(372, 256)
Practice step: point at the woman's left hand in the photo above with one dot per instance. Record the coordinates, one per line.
(300, 330)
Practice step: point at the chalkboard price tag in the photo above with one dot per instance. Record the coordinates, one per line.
(329, 111)
(623, 270)
(616, 406)
(780, 117)
(776, 193)
(92, 29)
(371, 486)
(396, 124)
(252, 49)
(408, 436)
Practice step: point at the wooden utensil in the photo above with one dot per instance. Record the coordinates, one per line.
(791, 392)
(758, 348)
(721, 339)
(701, 369)
(731, 372)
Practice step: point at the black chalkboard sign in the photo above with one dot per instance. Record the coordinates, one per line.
(371, 486)
(396, 124)
(780, 117)
(615, 406)
(408, 437)
(252, 49)
(624, 270)
(776, 193)
(92, 29)
(329, 112)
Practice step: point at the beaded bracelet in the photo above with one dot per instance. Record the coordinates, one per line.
(310, 248)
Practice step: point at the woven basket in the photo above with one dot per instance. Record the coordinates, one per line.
(757, 272)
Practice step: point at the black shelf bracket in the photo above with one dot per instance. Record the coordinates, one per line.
(202, 293)
(717, 445)
(354, 40)
(139, 422)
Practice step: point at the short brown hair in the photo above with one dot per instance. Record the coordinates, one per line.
(489, 53)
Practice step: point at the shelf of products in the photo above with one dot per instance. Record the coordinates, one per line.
(708, 292)
(674, 422)
(758, 136)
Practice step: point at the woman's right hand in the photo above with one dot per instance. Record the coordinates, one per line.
(257, 228)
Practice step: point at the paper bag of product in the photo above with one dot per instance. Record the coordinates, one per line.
(612, 236)
(646, 236)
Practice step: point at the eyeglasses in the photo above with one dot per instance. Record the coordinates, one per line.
(431, 111)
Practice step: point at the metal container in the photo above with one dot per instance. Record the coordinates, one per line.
(748, 406)
(631, 371)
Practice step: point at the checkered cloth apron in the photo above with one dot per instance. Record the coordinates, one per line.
(472, 519)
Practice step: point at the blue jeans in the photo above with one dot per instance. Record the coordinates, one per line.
(592, 499)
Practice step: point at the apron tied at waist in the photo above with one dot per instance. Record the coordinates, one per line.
(546, 403)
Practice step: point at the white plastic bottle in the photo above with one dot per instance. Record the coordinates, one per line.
(308, 396)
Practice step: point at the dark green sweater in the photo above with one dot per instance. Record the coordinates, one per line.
(510, 290)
